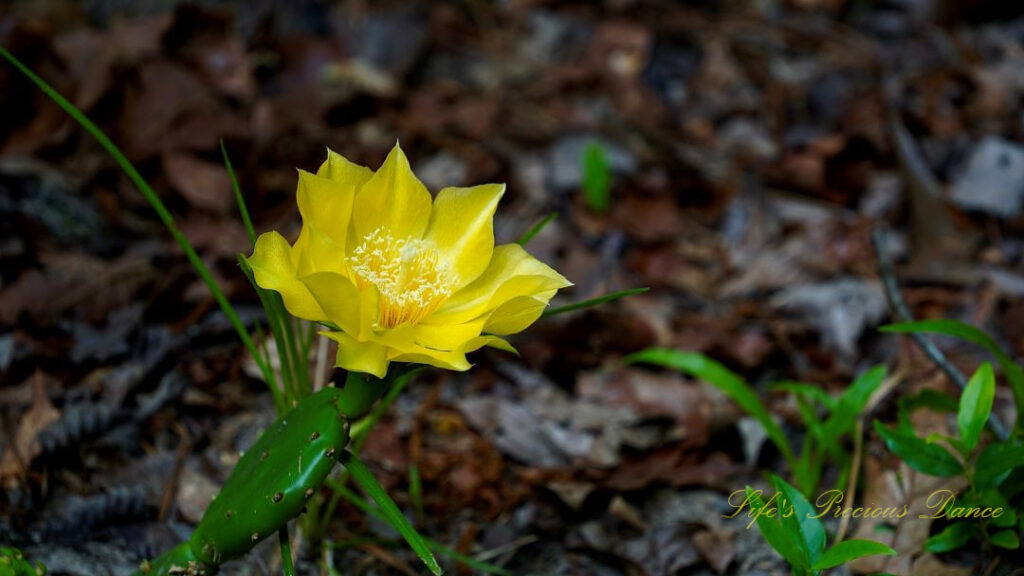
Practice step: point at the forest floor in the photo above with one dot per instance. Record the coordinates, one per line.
(754, 147)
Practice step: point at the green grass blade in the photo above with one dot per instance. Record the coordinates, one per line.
(362, 475)
(848, 550)
(416, 490)
(593, 302)
(704, 368)
(436, 546)
(158, 206)
(239, 199)
(536, 228)
(286, 550)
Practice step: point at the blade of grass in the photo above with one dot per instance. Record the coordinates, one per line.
(366, 480)
(436, 546)
(239, 199)
(286, 550)
(416, 491)
(536, 228)
(161, 210)
(359, 433)
(594, 301)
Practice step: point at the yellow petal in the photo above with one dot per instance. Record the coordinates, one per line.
(512, 273)
(462, 228)
(338, 298)
(490, 341)
(393, 199)
(274, 268)
(341, 169)
(356, 356)
(443, 360)
(326, 209)
(518, 313)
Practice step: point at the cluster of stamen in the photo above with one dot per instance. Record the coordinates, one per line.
(410, 275)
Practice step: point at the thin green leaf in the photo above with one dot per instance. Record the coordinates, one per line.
(931, 459)
(416, 490)
(436, 546)
(848, 550)
(996, 462)
(1005, 539)
(704, 368)
(286, 550)
(802, 516)
(1014, 372)
(597, 178)
(786, 543)
(362, 475)
(928, 398)
(154, 200)
(536, 228)
(593, 301)
(975, 405)
(239, 199)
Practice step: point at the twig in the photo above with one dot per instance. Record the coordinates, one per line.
(901, 311)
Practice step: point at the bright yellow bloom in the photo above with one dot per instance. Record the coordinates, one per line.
(406, 277)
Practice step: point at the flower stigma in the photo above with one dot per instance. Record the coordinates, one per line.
(409, 274)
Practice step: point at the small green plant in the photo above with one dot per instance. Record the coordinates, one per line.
(791, 526)
(597, 178)
(14, 563)
(984, 510)
(823, 441)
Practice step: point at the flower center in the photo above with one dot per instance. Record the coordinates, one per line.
(409, 274)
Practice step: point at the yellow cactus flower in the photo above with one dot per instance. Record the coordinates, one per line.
(404, 276)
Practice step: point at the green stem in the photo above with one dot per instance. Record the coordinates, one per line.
(286, 550)
(154, 201)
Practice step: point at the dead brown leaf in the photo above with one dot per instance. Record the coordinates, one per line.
(25, 446)
(204, 184)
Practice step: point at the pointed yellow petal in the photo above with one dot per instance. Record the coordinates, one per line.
(356, 356)
(393, 199)
(274, 268)
(490, 341)
(512, 273)
(443, 360)
(341, 169)
(462, 228)
(326, 209)
(518, 313)
(338, 298)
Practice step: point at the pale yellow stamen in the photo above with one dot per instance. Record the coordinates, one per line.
(410, 275)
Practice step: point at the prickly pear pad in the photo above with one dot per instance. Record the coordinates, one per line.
(273, 479)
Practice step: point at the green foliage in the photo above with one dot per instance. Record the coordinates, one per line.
(1013, 371)
(946, 456)
(597, 178)
(177, 560)
(824, 435)
(14, 563)
(789, 524)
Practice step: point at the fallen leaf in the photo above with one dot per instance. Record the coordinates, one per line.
(25, 446)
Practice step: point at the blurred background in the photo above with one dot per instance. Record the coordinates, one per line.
(750, 148)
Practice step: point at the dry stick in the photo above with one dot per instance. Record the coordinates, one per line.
(901, 311)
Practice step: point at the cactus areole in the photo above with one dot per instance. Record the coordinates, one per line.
(268, 487)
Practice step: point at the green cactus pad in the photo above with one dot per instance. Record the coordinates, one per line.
(177, 560)
(273, 479)
(14, 563)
